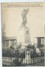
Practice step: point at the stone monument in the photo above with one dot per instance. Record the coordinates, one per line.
(23, 32)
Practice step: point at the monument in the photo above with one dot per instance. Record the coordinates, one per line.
(23, 32)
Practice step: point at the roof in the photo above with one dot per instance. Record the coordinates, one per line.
(40, 37)
(10, 38)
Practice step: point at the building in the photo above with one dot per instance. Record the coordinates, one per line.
(40, 43)
(9, 41)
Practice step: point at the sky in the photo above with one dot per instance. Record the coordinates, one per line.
(11, 17)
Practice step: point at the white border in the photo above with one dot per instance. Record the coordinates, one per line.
(0, 40)
(22, 0)
(0, 22)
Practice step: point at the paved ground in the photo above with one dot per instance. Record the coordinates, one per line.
(41, 63)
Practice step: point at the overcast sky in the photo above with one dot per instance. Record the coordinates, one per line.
(12, 18)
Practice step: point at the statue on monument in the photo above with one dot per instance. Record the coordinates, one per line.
(23, 32)
(24, 17)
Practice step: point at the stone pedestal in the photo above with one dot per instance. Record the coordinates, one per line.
(23, 36)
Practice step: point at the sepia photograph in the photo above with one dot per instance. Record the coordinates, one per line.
(22, 34)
